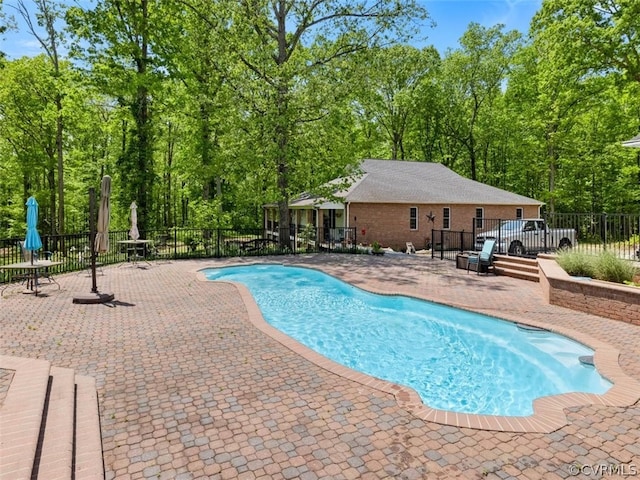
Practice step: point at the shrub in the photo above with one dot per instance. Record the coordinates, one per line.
(613, 269)
(577, 264)
(606, 266)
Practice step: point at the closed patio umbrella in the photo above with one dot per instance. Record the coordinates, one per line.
(98, 239)
(32, 241)
(102, 228)
(134, 233)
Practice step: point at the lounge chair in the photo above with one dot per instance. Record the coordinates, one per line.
(482, 261)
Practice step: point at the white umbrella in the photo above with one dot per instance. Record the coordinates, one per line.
(134, 233)
(102, 228)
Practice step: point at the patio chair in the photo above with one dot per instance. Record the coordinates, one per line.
(410, 248)
(482, 261)
(84, 260)
(160, 250)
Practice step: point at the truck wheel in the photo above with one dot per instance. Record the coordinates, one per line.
(516, 248)
(565, 244)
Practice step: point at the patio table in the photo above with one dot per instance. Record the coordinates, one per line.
(136, 250)
(31, 270)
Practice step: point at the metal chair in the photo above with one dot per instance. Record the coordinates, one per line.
(483, 260)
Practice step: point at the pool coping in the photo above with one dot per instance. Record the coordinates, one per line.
(548, 412)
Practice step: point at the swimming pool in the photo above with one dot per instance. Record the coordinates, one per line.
(455, 360)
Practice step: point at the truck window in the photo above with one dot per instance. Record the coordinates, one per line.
(529, 226)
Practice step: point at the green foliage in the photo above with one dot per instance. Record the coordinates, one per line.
(308, 234)
(216, 118)
(606, 266)
(209, 214)
(192, 243)
(603, 33)
(577, 264)
(614, 269)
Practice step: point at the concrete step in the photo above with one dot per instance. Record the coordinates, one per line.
(89, 461)
(524, 261)
(55, 453)
(49, 422)
(533, 269)
(517, 267)
(21, 415)
(532, 277)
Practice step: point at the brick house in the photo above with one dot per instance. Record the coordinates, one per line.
(394, 202)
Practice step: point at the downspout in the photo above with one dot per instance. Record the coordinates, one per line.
(346, 212)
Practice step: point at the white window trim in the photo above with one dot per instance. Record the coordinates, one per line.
(417, 215)
(479, 221)
(446, 219)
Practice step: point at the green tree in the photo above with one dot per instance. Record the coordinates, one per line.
(120, 54)
(603, 34)
(50, 39)
(389, 93)
(472, 79)
(285, 43)
(3, 29)
(28, 127)
(197, 59)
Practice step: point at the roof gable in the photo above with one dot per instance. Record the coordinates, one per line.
(395, 181)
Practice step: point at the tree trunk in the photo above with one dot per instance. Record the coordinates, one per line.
(60, 230)
(282, 131)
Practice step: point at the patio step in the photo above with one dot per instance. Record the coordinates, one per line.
(49, 423)
(517, 267)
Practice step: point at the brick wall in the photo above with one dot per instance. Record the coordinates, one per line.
(388, 224)
(609, 300)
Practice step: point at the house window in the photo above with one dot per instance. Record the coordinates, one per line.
(446, 218)
(413, 218)
(519, 213)
(479, 217)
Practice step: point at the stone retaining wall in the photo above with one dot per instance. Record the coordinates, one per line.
(610, 300)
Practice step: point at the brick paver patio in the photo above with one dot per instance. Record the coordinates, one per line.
(189, 388)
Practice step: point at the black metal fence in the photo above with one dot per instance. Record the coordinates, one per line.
(585, 232)
(73, 250)
(447, 244)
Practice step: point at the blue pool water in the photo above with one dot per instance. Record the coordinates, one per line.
(454, 359)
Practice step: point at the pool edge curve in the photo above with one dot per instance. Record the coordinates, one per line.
(548, 415)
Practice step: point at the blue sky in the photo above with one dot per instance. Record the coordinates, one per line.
(451, 16)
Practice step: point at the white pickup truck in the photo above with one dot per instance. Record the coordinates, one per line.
(527, 236)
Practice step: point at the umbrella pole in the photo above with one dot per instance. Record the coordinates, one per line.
(92, 238)
(94, 296)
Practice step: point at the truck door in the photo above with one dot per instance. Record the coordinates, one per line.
(530, 238)
(542, 237)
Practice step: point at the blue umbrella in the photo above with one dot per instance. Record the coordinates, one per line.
(32, 241)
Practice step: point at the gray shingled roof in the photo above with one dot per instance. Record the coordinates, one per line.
(393, 181)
